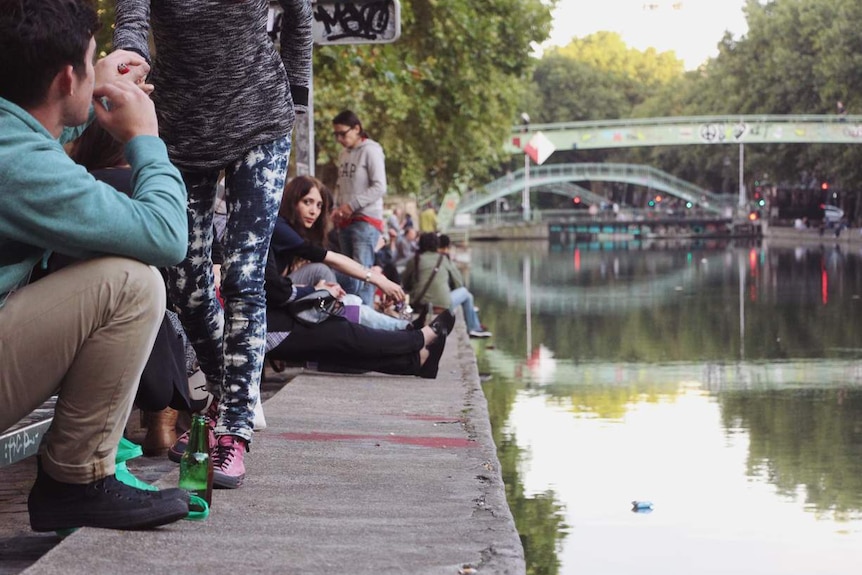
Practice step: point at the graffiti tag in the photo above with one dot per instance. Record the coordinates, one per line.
(347, 21)
(719, 133)
(355, 21)
(18, 445)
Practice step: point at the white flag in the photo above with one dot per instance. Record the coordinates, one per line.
(539, 148)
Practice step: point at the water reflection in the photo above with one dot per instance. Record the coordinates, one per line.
(724, 383)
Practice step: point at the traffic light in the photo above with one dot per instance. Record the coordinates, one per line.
(824, 186)
(753, 216)
(576, 200)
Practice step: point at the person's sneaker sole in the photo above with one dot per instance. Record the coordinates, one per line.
(164, 511)
(222, 481)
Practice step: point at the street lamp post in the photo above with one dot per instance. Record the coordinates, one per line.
(525, 197)
(741, 176)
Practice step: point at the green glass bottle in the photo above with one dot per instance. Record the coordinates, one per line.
(196, 465)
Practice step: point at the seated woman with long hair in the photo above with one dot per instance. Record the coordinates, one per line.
(338, 345)
(299, 243)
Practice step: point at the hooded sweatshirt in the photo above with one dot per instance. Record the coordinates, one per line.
(49, 203)
(362, 179)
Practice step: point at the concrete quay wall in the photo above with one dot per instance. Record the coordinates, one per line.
(354, 474)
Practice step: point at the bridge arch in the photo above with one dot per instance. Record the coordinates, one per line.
(559, 178)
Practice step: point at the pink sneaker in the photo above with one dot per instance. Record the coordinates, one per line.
(228, 466)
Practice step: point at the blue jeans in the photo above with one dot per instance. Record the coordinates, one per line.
(370, 317)
(230, 342)
(358, 241)
(462, 296)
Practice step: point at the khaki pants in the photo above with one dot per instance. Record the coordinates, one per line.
(84, 332)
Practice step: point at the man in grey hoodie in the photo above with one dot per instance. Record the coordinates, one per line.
(359, 197)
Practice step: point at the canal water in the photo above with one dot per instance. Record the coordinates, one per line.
(720, 382)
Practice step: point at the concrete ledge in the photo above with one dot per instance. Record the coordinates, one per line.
(784, 236)
(353, 475)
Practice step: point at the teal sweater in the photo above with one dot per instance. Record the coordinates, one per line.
(49, 203)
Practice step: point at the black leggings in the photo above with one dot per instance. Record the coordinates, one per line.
(164, 382)
(339, 343)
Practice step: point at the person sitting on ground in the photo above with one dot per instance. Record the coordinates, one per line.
(299, 245)
(87, 329)
(444, 245)
(431, 278)
(393, 226)
(337, 344)
(406, 247)
(164, 385)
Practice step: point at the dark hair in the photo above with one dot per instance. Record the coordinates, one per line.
(96, 149)
(349, 119)
(294, 191)
(427, 243)
(37, 39)
(444, 241)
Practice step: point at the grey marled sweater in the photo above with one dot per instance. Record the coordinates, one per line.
(221, 87)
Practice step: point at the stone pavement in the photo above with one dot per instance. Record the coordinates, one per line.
(354, 474)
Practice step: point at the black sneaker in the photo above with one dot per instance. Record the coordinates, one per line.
(428, 370)
(106, 503)
(421, 319)
(443, 323)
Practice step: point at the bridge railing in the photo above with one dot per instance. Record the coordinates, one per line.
(519, 130)
(626, 215)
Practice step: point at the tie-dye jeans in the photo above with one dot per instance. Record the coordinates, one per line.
(230, 341)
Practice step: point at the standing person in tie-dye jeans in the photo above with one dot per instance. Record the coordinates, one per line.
(226, 100)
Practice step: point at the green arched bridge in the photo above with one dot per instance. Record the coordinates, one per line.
(558, 178)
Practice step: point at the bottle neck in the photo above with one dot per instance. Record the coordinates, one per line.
(198, 440)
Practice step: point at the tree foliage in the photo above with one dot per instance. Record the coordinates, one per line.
(441, 100)
(797, 58)
(598, 77)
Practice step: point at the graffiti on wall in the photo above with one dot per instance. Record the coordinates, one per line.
(348, 21)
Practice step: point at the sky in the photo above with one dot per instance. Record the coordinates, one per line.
(691, 28)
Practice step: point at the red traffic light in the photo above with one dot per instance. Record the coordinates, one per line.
(824, 186)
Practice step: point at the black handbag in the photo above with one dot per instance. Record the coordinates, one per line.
(316, 307)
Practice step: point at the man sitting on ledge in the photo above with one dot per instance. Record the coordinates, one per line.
(84, 332)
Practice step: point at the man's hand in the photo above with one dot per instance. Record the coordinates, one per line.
(125, 111)
(125, 65)
(341, 213)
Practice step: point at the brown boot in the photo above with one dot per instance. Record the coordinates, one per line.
(161, 432)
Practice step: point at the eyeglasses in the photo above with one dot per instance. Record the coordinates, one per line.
(341, 133)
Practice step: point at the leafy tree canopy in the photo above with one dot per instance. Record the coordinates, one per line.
(441, 99)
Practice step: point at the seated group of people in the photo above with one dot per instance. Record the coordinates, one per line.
(85, 312)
